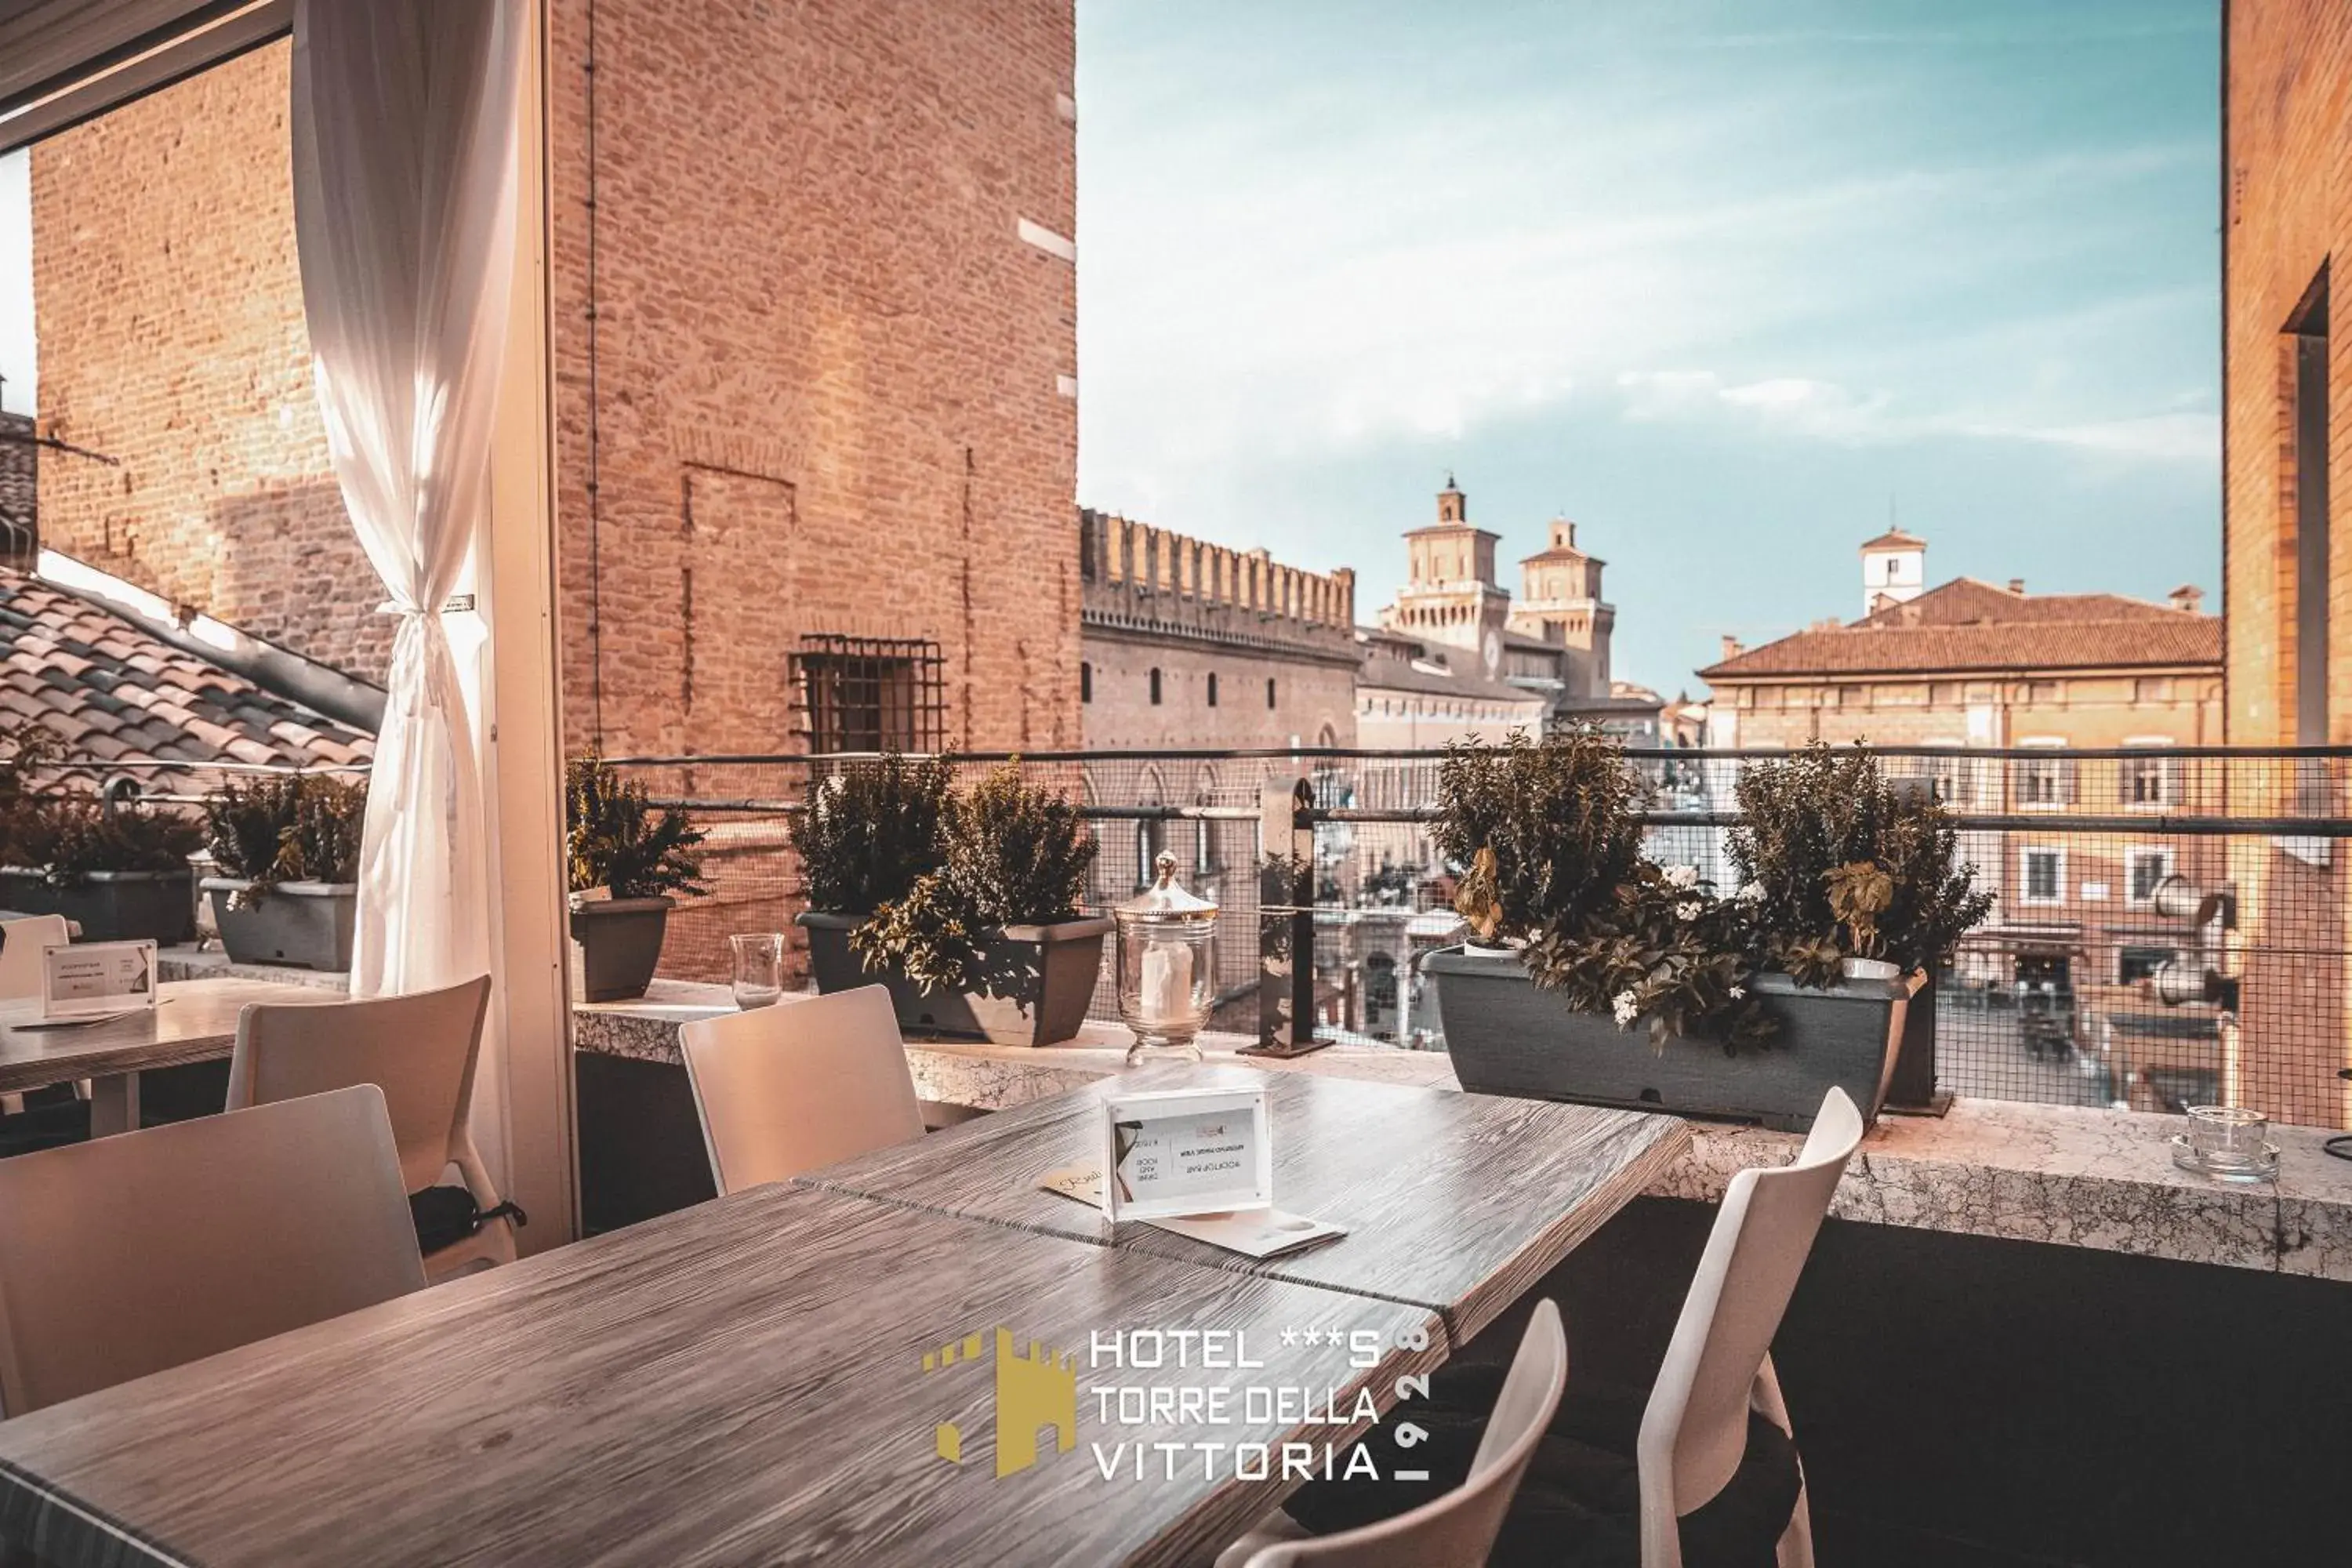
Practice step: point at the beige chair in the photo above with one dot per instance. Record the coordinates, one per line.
(129, 1254)
(1719, 1366)
(786, 1089)
(1458, 1529)
(21, 942)
(422, 1051)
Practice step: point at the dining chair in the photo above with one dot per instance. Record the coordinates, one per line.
(1695, 1433)
(128, 1255)
(785, 1089)
(422, 1049)
(21, 942)
(1457, 1529)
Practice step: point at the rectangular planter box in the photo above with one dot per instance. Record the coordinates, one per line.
(110, 906)
(306, 925)
(1038, 980)
(617, 946)
(1508, 1037)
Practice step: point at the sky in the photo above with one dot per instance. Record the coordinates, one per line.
(1728, 284)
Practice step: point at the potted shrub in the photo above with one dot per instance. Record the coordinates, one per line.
(871, 831)
(1662, 993)
(120, 870)
(287, 848)
(992, 942)
(623, 863)
(1856, 874)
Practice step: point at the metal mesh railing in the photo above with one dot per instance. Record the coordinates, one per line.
(2169, 925)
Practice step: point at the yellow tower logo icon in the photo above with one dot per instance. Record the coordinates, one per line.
(1035, 1391)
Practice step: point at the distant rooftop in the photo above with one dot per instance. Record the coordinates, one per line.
(1971, 626)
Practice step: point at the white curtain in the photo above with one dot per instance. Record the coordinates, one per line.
(404, 215)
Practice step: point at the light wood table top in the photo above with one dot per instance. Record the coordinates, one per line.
(740, 1382)
(192, 1021)
(1458, 1202)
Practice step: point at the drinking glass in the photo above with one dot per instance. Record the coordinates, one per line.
(759, 968)
(2230, 1141)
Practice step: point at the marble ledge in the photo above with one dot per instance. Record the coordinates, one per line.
(2062, 1175)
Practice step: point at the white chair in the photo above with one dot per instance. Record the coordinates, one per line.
(21, 942)
(422, 1051)
(1456, 1530)
(1718, 1365)
(128, 1255)
(783, 1090)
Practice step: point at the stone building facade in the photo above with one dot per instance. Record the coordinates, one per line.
(814, 337)
(2287, 438)
(19, 479)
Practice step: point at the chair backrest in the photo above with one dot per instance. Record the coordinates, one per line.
(784, 1088)
(420, 1049)
(21, 942)
(1458, 1529)
(128, 1255)
(1695, 1431)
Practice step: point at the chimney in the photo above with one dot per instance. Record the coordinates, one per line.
(2017, 586)
(2188, 599)
(1732, 648)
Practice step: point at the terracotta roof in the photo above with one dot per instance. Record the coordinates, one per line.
(115, 692)
(1896, 538)
(1966, 625)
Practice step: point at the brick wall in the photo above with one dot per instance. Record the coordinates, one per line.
(823, 364)
(168, 310)
(2288, 207)
(1196, 611)
(824, 393)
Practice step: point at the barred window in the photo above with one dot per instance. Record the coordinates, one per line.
(869, 694)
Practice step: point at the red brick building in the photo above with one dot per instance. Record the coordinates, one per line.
(814, 338)
(2287, 432)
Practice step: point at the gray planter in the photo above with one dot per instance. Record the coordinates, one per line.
(305, 925)
(1508, 1037)
(1037, 980)
(110, 906)
(620, 945)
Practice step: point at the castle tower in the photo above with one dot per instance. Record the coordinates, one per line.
(1450, 594)
(1894, 570)
(1560, 604)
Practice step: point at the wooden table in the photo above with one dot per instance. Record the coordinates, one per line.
(740, 1382)
(1457, 1203)
(192, 1021)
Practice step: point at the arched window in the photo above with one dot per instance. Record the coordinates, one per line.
(1086, 681)
(1212, 688)
(1155, 688)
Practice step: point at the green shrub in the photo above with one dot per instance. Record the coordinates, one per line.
(25, 749)
(67, 836)
(613, 840)
(289, 827)
(1017, 853)
(872, 830)
(1541, 833)
(1839, 863)
(1546, 839)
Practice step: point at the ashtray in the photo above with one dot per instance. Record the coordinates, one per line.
(2265, 1167)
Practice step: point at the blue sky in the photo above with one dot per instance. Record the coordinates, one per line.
(1718, 280)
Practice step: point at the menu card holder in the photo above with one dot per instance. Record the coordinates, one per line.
(1186, 1151)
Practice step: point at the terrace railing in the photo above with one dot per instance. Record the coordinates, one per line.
(2170, 925)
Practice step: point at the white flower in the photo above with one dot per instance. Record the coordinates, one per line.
(1752, 894)
(1740, 993)
(1682, 876)
(1689, 910)
(1625, 1008)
